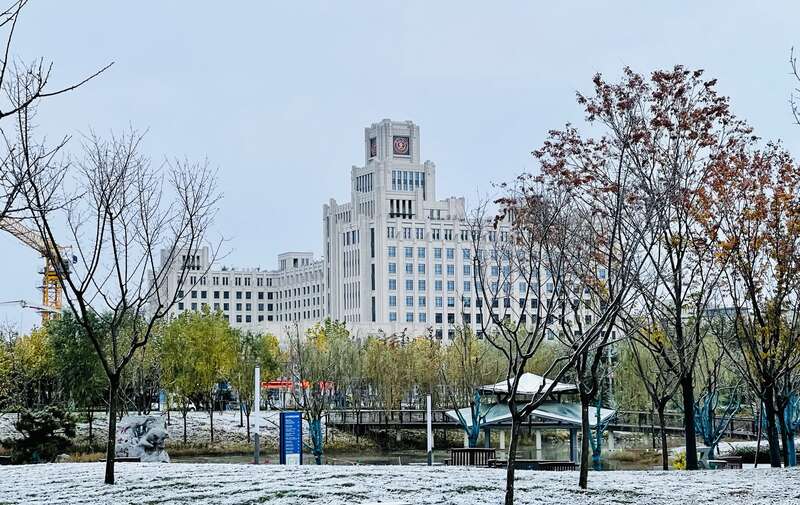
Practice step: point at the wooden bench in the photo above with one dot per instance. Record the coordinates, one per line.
(471, 456)
(534, 464)
(726, 463)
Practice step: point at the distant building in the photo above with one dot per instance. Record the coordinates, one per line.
(395, 259)
(251, 298)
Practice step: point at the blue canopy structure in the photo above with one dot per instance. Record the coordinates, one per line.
(552, 411)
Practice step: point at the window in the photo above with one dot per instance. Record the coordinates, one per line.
(409, 317)
(239, 306)
(409, 284)
(451, 253)
(409, 268)
(247, 318)
(451, 270)
(467, 270)
(467, 286)
(392, 301)
(420, 233)
(392, 251)
(421, 268)
(451, 286)
(392, 284)
(390, 232)
(437, 253)
(451, 301)
(409, 252)
(495, 271)
(248, 295)
(392, 316)
(409, 301)
(421, 301)
(466, 301)
(421, 285)
(248, 307)
(238, 318)
(238, 295)
(451, 318)
(437, 285)
(392, 268)
(226, 295)
(439, 318)
(437, 269)
(438, 302)
(180, 305)
(261, 307)
(420, 252)
(448, 234)
(406, 232)
(587, 319)
(436, 234)
(260, 295)
(465, 253)
(194, 294)
(216, 307)
(216, 294)
(422, 317)
(226, 306)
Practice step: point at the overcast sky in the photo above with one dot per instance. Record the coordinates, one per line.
(276, 94)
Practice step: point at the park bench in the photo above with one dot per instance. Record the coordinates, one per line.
(535, 464)
(470, 456)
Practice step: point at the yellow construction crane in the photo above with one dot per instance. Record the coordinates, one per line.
(51, 288)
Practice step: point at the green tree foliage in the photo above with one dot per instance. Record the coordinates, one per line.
(252, 350)
(318, 364)
(46, 433)
(80, 373)
(198, 351)
(33, 367)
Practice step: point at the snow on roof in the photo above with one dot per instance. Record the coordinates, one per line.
(567, 413)
(531, 384)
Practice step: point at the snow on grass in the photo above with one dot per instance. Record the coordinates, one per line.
(198, 428)
(141, 483)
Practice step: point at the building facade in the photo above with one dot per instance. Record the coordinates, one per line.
(397, 259)
(251, 298)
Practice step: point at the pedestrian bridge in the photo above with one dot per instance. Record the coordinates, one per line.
(362, 421)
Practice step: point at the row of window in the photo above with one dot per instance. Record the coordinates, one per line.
(450, 253)
(406, 180)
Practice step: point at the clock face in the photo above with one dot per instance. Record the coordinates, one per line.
(401, 146)
(373, 147)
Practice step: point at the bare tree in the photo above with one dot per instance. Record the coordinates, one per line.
(24, 86)
(128, 212)
(528, 263)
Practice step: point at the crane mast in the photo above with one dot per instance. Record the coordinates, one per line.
(51, 288)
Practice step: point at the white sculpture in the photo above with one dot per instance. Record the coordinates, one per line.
(142, 437)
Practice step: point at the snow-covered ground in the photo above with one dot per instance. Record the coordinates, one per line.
(226, 428)
(139, 483)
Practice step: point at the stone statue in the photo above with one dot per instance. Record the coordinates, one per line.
(142, 437)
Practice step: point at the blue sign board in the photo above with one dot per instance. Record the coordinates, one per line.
(291, 438)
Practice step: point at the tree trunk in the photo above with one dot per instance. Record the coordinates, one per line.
(687, 388)
(663, 429)
(512, 457)
(772, 430)
(185, 413)
(583, 477)
(784, 436)
(241, 421)
(248, 425)
(90, 416)
(211, 413)
(111, 445)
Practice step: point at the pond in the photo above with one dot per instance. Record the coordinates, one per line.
(630, 453)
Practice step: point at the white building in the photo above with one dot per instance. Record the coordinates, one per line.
(396, 258)
(252, 298)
